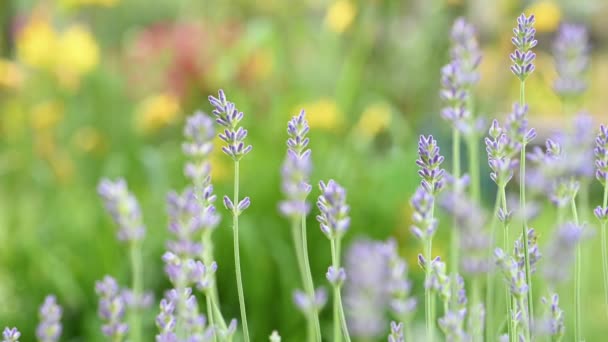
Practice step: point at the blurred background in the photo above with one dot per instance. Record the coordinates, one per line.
(96, 88)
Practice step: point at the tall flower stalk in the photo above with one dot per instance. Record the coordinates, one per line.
(425, 224)
(334, 222)
(601, 212)
(522, 67)
(296, 188)
(125, 210)
(228, 116)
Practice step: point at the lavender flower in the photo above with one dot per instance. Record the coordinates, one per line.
(296, 169)
(166, 321)
(425, 224)
(514, 276)
(124, 209)
(429, 160)
(365, 294)
(10, 335)
(49, 328)
(571, 53)
(474, 238)
(560, 252)
(228, 116)
(557, 181)
(438, 281)
(601, 155)
(517, 127)
(112, 307)
(552, 323)
(396, 332)
(194, 324)
(307, 304)
(465, 49)
(336, 276)
(524, 41)
(533, 251)
(199, 133)
(501, 154)
(452, 323)
(334, 219)
(398, 284)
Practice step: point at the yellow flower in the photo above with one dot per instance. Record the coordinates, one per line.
(11, 76)
(340, 15)
(79, 55)
(156, 112)
(547, 14)
(46, 115)
(89, 140)
(70, 4)
(36, 43)
(375, 119)
(323, 113)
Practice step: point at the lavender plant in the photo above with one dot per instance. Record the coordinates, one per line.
(571, 53)
(296, 188)
(10, 335)
(112, 307)
(49, 328)
(228, 116)
(601, 212)
(124, 209)
(402, 304)
(334, 222)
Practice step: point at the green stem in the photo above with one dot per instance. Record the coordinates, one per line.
(137, 269)
(577, 278)
(522, 205)
(427, 294)
(237, 258)
(490, 280)
(455, 238)
(407, 330)
(297, 241)
(308, 282)
(605, 248)
(477, 334)
(506, 244)
(210, 316)
(339, 318)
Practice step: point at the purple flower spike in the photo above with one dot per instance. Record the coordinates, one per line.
(336, 277)
(571, 53)
(112, 308)
(552, 323)
(10, 335)
(533, 251)
(502, 152)
(524, 41)
(296, 169)
(227, 115)
(601, 155)
(560, 252)
(425, 224)
(439, 282)
(334, 219)
(166, 321)
(124, 209)
(429, 160)
(396, 332)
(49, 328)
(514, 276)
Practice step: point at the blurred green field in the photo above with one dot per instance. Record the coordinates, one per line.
(100, 88)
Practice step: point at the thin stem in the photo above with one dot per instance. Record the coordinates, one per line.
(472, 144)
(210, 315)
(506, 244)
(605, 248)
(427, 294)
(455, 238)
(577, 278)
(477, 336)
(297, 241)
(490, 280)
(308, 281)
(137, 269)
(522, 205)
(237, 258)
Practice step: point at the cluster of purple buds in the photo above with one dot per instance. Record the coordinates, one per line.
(10, 335)
(524, 41)
(307, 304)
(189, 271)
(558, 182)
(228, 116)
(438, 281)
(571, 52)
(187, 219)
(396, 334)
(553, 322)
(501, 154)
(425, 224)
(560, 252)
(601, 155)
(429, 161)
(112, 307)
(194, 325)
(366, 294)
(452, 323)
(514, 275)
(577, 145)
(296, 169)
(471, 222)
(534, 254)
(517, 127)
(49, 329)
(458, 77)
(333, 219)
(399, 286)
(336, 276)
(124, 209)
(166, 321)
